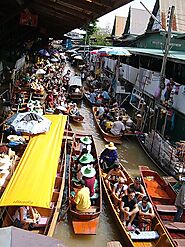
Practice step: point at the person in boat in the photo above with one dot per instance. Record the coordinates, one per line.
(74, 110)
(108, 156)
(88, 175)
(85, 142)
(145, 214)
(100, 111)
(85, 159)
(66, 79)
(138, 188)
(105, 96)
(24, 216)
(82, 197)
(109, 123)
(128, 208)
(119, 190)
(49, 99)
(99, 99)
(92, 97)
(180, 201)
(118, 127)
(113, 175)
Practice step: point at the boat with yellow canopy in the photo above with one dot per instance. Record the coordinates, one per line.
(39, 178)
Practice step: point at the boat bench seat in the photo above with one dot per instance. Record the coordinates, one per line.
(166, 208)
(180, 242)
(144, 235)
(178, 226)
(90, 210)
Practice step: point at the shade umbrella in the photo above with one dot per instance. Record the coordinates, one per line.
(29, 122)
(94, 52)
(16, 237)
(40, 72)
(104, 51)
(44, 52)
(119, 51)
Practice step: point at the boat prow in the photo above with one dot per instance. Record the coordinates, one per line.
(85, 227)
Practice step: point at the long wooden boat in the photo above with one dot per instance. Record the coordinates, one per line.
(85, 222)
(162, 153)
(163, 197)
(75, 88)
(56, 170)
(108, 137)
(132, 239)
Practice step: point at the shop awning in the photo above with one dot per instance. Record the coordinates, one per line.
(175, 56)
(33, 181)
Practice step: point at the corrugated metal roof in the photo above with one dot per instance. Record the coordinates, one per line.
(176, 56)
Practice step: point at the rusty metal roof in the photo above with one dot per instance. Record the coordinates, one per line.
(55, 17)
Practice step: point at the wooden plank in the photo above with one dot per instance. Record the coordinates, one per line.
(178, 226)
(85, 227)
(180, 242)
(166, 208)
(114, 244)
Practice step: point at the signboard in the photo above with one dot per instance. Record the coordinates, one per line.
(28, 19)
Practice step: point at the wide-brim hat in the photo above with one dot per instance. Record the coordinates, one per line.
(88, 171)
(86, 159)
(111, 146)
(86, 140)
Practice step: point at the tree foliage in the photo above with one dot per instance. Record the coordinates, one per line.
(90, 29)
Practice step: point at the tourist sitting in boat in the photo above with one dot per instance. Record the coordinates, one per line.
(24, 216)
(100, 111)
(118, 127)
(119, 190)
(66, 79)
(82, 197)
(99, 99)
(92, 97)
(128, 208)
(108, 157)
(138, 188)
(146, 214)
(113, 175)
(85, 143)
(74, 110)
(49, 100)
(105, 96)
(88, 175)
(85, 159)
(109, 124)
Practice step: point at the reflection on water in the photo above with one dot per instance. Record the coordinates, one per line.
(131, 156)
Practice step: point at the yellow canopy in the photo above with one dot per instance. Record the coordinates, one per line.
(33, 181)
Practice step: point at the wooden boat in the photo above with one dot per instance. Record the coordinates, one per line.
(162, 153)
(163, 197)
(85, 222)
(77, 119)
(142, 239)
(48, 214)
(75, 88)
(108, 137)
(87, 99)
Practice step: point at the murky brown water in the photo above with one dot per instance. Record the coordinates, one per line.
(131, 156)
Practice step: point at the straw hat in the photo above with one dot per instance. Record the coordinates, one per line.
(111, 146)
(86, 140)
(88, 171)
(86, 158)
(138, 115)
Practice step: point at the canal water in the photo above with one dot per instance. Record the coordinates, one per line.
(131, 156)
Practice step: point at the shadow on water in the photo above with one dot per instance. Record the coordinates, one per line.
(131, 156)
